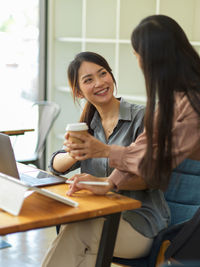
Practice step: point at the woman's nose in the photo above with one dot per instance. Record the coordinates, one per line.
(98, 82)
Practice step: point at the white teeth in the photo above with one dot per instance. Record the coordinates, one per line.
(101, 92)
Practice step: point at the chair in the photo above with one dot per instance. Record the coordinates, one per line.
(183, 199)
(47, 112)
(183, 242)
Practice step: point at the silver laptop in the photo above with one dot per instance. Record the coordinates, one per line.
(8, 166)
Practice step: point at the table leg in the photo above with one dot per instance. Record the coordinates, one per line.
(107, 243)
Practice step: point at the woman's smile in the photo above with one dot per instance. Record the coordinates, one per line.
(102, 92)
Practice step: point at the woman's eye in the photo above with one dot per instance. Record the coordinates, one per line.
(103, 73)
(88, 80)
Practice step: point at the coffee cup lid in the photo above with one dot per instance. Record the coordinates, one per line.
(79, 126)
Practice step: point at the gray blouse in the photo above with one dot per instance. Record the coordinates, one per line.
(153, 216)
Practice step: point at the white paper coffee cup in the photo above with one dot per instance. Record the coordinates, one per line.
(80, 127)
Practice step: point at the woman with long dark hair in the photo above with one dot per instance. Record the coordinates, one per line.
(171, 69)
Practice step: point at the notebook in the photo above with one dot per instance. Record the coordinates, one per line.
(12, 194)
(8, 166)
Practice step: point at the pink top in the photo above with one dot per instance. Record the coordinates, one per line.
(186, 143)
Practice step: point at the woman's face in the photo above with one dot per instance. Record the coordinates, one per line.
(95, 82)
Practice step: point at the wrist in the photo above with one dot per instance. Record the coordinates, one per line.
(111, 184)
(107, 151)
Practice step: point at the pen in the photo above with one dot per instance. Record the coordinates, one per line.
(88, 182)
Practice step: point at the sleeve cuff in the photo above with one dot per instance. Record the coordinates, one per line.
(119, 177)
(116, 156)
(51, 162)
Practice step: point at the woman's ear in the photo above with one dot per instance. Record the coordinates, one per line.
(79, 94)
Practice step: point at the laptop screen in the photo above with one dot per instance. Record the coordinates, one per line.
(7, 157)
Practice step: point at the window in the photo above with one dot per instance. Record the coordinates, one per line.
(20, 54)
(22, 65)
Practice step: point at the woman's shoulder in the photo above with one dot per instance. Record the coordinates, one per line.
(132, 106)
(131, 111)
(183, 107)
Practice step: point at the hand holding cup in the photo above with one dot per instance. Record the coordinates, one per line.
(83, 145)
(80, 127)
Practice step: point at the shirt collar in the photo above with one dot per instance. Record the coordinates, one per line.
(125, 110)
(124, 114)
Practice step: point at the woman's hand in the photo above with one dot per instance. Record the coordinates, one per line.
(96, 189)
(90, 148)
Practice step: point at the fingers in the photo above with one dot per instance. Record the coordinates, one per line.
(79, 176)
(82, 137)
(77, 151)
(75, 187)
(76, 154)
(80, 157)
(66, 135)
(73, 147)
(72, 189)
(81, 151)
(97, 190)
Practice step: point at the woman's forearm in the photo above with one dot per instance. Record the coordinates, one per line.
(62, 162)
(127, 181)
(136, 183)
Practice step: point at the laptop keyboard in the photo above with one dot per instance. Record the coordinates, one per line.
(39, 182)
(29, 180)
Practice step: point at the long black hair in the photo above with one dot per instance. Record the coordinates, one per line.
(73, 70)
(169, 64)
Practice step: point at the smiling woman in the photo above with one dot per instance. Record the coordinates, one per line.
(91, 78)
(110, 120)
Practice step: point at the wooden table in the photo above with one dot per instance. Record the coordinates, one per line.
(15, 131)
(39, 211)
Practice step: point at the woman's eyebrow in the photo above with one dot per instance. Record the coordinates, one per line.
(85, 76)
(100, 70)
